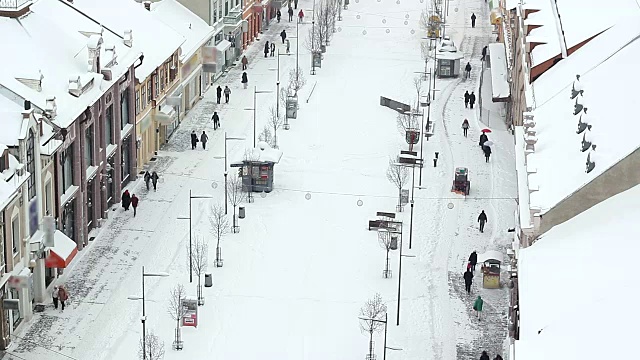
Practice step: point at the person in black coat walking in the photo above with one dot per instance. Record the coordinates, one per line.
(203, 139)
(273, 49)
(147, 179)
(472, 99)
(218, 93)
(482, 219)
(126, 200)
(290, 11)
(467, 70)
(216, 120)
(473, 24)
(266, 49)
(484, 53)
(194, 139)
(498, 357)
(487, 152)
(279, 15)
(227, 92)
(245, 80)
(465, 127)
(483, 139)
(484, 356)
(283, 35)
(468, 280)
(154, 180)
(466, 99)
(473, 260)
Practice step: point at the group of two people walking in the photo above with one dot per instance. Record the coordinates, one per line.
(226, 92)
(203, 139)
(478, 304)
(130, 200)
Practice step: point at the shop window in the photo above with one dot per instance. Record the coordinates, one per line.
(138, 102)
(31, 164)
(15, 235)
(124, 108)
(67, 168)
(88, 146)
(68, 223)
(125, 161)
(90, 213)
(109, 125)
(109, 180)
(16, 313)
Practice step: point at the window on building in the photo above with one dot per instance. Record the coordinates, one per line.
(237, 2)
(149, 92)
(3, 261)
(163, 78)
(138, 108)
(15, 234)
(143, 90)
(108, 124)
(48, 192)
(31, 164)
(157, 85)
(67, 168)
(125, 161)
(88, 146)
(124, 108)
(226, 8)
(214, 17)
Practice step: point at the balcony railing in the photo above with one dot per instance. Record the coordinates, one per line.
(12, 4)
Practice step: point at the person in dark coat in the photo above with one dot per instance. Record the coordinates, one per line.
(126, 200)
(227, 92)
(483, 139)
(245, 62)
(484, 356)
(134, 204)
(245, 80)
(487, 152)
(203, 139)
(290, 11)
(466, 99)
(154, 180)
(218, 93)
(472, 99)
(216, 120)
(279, 15)
(468, 280)
(266, 48)
(295, 4)
(482, 219)
(194, 139)
(283, 35)
(467, 70)
(465, 127)
(473, 260)
(473, 24)
(63, 296)
(273, 49)
(484, 53)
(498, 357)
(147, 179)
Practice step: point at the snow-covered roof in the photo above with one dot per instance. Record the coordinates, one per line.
(50, 44)
(262, 153)
(499, 75)
(576, 285)
(523, 183)
(10, 181)
(156, 40)
(547, 35)
(11, 120)
(610, 99)
(195, 31)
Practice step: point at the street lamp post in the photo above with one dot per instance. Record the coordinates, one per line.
(191, 197)
(286, 120)
(255, 93)
(400, 280)
(226, 167)
(385, 321)
(144, 313)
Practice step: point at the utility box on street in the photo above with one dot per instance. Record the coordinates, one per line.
(292, 107)
(241, 212)
(208, 280)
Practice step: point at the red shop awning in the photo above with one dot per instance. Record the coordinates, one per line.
(62, 253)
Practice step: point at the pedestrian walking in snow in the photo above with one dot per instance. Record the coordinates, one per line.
(227, 92)
(484, 355)
(219, 93)
(288, 45)
(63, 296)
(154, 180)
(279, 15)
(126, 200)
(147, 179)
(473, 260)
(465, 127)
(473, 20)
(290, 11)
(468, 266)
(487, 152)
(266, 49)
(194, 139)
(203, 139)
(468, 280)
(467, 70)
(484, 53)
(245, 62)
(300, 16)
(216, 120)
(134, 204)
(245, 80)
(295, 3)
(483, 139)
(466, 99)
(283, 35)
(498, 357)
(477, 306)
(54, 296)
(273, 49)
(482, 219)
(472, 99)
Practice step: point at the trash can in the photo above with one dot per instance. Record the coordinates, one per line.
(394, 243)
(208, 280)
(241, 212)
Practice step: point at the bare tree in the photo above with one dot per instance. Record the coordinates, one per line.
(220, 226)
(372, 315)
(275, 121)
(409, 126)
(398, 175)
(417, 84)
(177, 312)
(235, 196)
(296, 80)
(265, 135)
(314, 38)
(384, 238)
(198, 252)
(329, 14)
(152, 346)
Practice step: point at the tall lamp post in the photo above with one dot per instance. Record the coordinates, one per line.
(384, 354)
(400, 280)
(255, 93)
(144, 314)
(226, 166)
(286, 120)
(191, 197)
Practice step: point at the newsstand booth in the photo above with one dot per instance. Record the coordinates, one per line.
(256, 169)
(448, 59)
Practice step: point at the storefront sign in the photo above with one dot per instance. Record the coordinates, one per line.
(190, 65)
(11, 304)
(18, 282)
(190, 317)
(33, 216)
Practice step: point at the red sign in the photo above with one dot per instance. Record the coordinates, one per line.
(190, 319)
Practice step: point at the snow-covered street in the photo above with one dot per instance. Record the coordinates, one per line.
(303, 264)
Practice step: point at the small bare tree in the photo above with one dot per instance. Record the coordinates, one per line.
(398, 175)
(409, 126)
(384, 238)
(326, 18)
(296, 80)
(198, 253)
(417, 84)
(265, 135)
(220, 226)
(372, 317)
(177, 312)
(275, 121)
(235, 196)
(152, 348)
(314, 38)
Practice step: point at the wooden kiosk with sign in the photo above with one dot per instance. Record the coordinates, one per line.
(256, 169)
(491, 261)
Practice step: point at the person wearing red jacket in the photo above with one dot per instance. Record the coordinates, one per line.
(134, 203)
(301, 16)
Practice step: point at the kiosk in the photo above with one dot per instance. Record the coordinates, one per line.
(491, 261)
(256, 169)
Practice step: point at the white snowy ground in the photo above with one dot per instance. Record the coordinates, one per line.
(296, 276)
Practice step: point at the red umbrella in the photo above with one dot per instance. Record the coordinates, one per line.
(485, 130)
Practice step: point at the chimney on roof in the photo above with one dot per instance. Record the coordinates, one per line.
(147, 5)
(128, 38)
(50, 107)
(94, 45)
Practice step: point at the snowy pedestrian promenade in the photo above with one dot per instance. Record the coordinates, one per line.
(303, 264)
